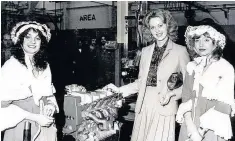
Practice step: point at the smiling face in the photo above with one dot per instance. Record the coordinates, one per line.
(158, 28)
(204, 45)
(32, 42)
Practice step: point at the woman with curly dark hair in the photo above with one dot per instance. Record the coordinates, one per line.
(156, 105)
(27, 91)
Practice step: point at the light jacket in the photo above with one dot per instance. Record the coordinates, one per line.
(174, 59)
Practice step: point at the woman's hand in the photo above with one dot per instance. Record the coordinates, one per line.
(41, 119)
(111, 87)
(49, 110)
(165, 99)
(44, 120)
(118, 103)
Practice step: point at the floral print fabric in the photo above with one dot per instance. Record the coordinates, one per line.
(156, 58)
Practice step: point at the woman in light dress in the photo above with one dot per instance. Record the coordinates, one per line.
(156, 105)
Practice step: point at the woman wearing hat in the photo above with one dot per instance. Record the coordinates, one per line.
(208, 91)
(27, 90)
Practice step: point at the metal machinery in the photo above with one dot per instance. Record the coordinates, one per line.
(15, 11)
(93, 120)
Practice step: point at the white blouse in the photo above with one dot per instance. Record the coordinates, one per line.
(218, 84)
(18, 82)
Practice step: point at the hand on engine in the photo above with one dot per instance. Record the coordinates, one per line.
(111, 87)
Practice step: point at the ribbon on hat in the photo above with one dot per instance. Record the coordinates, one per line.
(22, 26)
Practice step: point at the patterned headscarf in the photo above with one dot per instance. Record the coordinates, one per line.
(193, 31)
(22, 26)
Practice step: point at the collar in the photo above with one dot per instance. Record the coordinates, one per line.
(201, 60)
(165, 44)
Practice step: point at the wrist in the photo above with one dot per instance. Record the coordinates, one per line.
(171, 94)
(31, 116)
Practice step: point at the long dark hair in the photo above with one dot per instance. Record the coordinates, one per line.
(40, 59)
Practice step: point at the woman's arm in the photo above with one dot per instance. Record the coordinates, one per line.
(187, 98)
(192, 130)
(183, 61)
(9, 118)
(13, 115)
(132, 88)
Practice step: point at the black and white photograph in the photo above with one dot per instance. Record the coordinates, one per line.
(117, 71)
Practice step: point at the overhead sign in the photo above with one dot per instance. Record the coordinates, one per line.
(90, 17)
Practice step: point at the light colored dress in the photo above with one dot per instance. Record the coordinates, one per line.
(21, 92)
(211, 93)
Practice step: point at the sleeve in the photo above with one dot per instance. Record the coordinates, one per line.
(187, 92)
(217, 118)
(9, 118)
(133, 87)
(183, 61)
(187, 97)
(11, 86)
(183, 108)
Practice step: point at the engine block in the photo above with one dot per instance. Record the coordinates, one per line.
(92, 120)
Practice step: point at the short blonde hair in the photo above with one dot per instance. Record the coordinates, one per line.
(172, 27)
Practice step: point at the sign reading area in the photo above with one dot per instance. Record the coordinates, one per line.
(89, 17)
